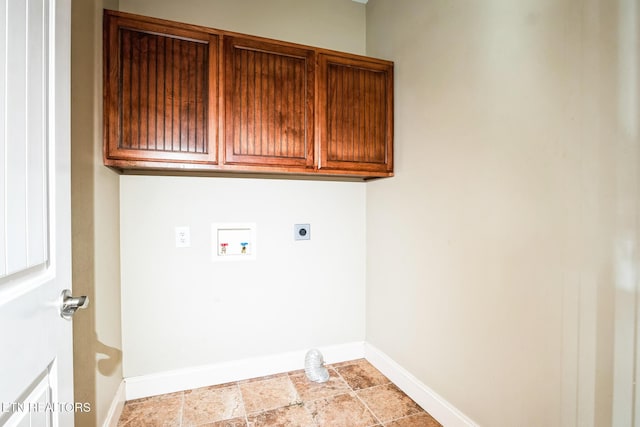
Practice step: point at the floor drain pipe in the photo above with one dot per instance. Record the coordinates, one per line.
(314, 367)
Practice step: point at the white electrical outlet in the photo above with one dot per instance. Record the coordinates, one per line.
(183, 237)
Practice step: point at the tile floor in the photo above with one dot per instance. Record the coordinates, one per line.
(356, 395)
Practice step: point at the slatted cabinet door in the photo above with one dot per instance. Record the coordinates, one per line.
(161, 88)
(187, 97)
(355, 123)
(269, 102)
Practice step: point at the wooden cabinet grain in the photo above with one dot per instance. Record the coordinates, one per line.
(187, 97)
(355, 119)
(269, 104)
(161, 93)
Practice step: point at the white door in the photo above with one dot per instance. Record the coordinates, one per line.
(35, 254)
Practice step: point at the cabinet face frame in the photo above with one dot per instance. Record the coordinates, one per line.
(315, 159)
(114, 153)
(384, 109)
(254, 131)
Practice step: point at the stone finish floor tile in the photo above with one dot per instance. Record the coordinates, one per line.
(343, 410)
(388, 402)
(421, 419)
(209, 404)
(361, 375)
(289, 416)
(158, 411)
(309, 390)
(356, 395)
(236, 422)
(271, 393)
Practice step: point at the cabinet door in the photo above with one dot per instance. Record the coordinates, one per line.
(355, 120)
(269, 104)
(161, 92)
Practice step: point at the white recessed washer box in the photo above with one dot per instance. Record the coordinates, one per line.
(233, 241)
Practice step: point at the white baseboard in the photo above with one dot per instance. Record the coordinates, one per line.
(443, 411)
(220, 373)
(115, 410)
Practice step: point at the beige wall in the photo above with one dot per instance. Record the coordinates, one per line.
(332, 24)
(95, 216)
(182, 310)
(502, 260)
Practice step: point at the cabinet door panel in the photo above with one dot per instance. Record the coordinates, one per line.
(268, 104)
(356, 124)
(161, 93)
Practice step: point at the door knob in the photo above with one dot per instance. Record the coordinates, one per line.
(69, 304)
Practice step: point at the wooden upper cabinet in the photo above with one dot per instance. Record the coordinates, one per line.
(161, 92)
(269, 104)
(355, 120)
(187, 97)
